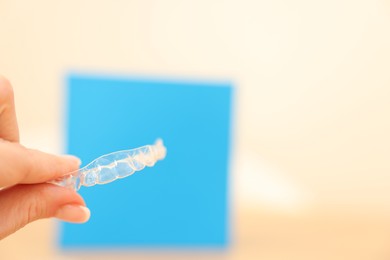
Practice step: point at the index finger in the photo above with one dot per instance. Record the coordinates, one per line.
(8, 123)
(21, 165)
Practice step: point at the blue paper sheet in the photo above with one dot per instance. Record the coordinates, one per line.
(183, 200)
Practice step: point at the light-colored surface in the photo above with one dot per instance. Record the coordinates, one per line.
(312, 109)
(258, 235)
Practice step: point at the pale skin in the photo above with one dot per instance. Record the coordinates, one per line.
(24, 195)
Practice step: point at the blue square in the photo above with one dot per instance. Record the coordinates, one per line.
(183, 200)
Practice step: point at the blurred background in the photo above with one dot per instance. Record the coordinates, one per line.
(310, 175)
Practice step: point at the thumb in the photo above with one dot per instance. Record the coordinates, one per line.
(22, 204)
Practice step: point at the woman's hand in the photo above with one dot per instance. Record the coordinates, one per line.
(24, 195)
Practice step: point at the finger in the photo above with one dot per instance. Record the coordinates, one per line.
(8, 125)
(21, 165)
(23, 204)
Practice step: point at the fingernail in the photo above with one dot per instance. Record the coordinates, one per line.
(72, 158)
(73, 213)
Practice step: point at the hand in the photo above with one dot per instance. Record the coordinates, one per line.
(24, 195)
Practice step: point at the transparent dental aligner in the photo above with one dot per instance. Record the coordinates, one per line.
(112, 166)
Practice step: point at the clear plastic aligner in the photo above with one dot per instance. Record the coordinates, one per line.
(112, 166)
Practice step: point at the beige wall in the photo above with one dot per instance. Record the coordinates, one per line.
(312, 76)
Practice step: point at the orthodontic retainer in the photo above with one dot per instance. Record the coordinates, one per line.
(112, 166)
